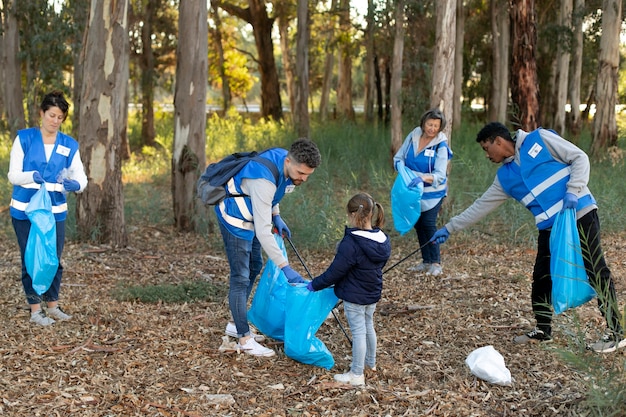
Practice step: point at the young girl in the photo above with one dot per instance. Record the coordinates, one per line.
(357, 275)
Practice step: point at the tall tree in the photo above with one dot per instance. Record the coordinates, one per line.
(284, 16)
(370, 58)
(524, 86)
(188, 156)
(344, 82)
(443, 66)
(103, 121)
(301, 109)
(396, 79)
(329, 61)
(563, 63)
(216, 32)
(12, 71)
(458, 65)
(604, 121)
(500, 43)
(576, 67)
(262, 24)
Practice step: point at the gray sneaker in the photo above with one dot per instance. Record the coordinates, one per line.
(609, 342)
(435, 270)
(535, 335)
(419, 268)
(40, 318)
(59, 314)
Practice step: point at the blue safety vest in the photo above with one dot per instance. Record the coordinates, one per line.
(236, 212)
(35, 160)
(539, 182)
(425, 162)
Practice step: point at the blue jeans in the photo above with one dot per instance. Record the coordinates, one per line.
(246, 261)
(361, 321)
(22, 229)
(426, 227)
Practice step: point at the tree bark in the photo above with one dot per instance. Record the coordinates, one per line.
(301, 109)
(329, 63)
(103, 121)
(344, 84)
(604, 121)
(565, 21)
(368, 106)
(188, 156)
(147, 63)
(524, 85)
(576, 67)
(501, 41)
(14, 94)
(396, 78)
(284, 14)
(217, 34)
(442, 91)
(458, 65)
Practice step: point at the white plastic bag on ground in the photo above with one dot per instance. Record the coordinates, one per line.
(488, 364)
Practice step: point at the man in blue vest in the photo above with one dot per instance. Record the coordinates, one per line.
(547, 174)
(246, 227)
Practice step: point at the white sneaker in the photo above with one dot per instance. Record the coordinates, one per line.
(231, 330)
(251, 347)
(434, 270)
(40, 318)
(350, 378)
(59, 314)
(419, 268)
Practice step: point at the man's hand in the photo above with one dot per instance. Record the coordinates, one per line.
(415, 182)
(570, 201)
(281, 227)
(292, 276)
(37, 178)
(71, 185)
(440, 236)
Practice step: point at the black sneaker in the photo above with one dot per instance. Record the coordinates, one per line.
(535, 335)
(609, 342)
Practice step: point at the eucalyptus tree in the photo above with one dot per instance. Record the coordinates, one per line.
(14, 95)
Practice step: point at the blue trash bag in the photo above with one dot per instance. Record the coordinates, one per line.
(267, 311)
(406, 203)
(40, 255)
(570, 284)
(305, 313)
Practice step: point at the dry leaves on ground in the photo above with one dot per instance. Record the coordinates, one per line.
(131, 359)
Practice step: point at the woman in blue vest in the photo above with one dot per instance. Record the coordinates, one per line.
(425, 151)
(44, 155)
(547, 174)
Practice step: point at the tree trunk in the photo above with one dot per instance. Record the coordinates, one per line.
(565, 21)
(147, 74)
(301, 113)
(368, 106)
(284, 16)
(188, 156)
(604, 121)
(329, 63)
(81, 14)
(344, 84)
(217, 34)
(458, 65)
(500, 27)
(524, 85)
(103, 121)
(442, 91)
(576, 68)
(12, 70)
(396, 79)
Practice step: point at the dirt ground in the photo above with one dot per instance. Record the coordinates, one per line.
(132, 359)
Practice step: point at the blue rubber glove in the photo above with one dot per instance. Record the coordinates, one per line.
(415, 182)
(570, 201)
(309, 286)
(38, 178)
(281, 227)
(292, 276)
(440, 236)
(71, 185)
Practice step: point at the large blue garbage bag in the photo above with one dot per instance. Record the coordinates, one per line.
(406, 203)
(570, 284)
(292, 313)
(40, 255)
(305, 313)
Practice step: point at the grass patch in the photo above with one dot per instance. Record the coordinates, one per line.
(186, 292)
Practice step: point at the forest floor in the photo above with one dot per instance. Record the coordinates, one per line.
(134, 359)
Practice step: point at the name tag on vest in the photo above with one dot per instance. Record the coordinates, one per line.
(289, 189)
(429, 153)
(63, 150)
(534, 151)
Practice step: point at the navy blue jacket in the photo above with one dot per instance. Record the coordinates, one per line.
(357, 270)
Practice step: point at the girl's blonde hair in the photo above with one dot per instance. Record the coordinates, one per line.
(362, 205)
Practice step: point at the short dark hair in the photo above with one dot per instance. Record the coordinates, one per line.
(55, 99)
(433, 114)
(491, 130)
(304, 151)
